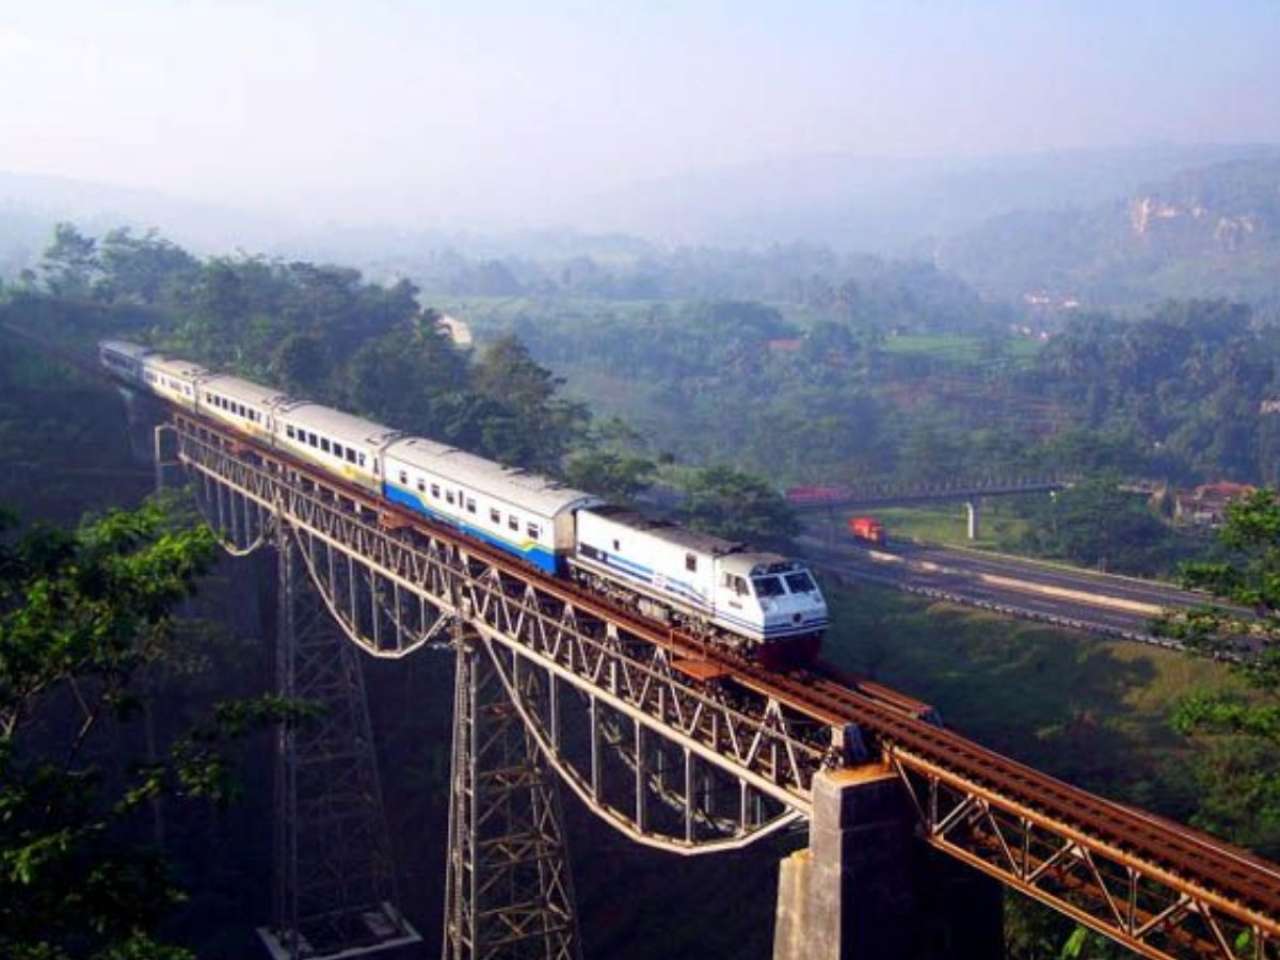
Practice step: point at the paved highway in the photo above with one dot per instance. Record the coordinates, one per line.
(1098, 602)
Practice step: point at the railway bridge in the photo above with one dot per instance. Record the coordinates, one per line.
(674, 744)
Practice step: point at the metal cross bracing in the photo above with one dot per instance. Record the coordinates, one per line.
(335, 884)
(666, 715)
(508, 888)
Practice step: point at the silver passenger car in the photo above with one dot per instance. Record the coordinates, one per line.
(335, 441)
(242, 404)
(124, 359)
(172, 380)
(525, 514)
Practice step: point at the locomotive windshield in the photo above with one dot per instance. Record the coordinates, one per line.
(800, 583)
(768, 586)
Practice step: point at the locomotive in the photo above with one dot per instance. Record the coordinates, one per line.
(761, 604)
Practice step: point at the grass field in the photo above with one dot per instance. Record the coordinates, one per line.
(1093, 712)
(963, 349)
(947, 523)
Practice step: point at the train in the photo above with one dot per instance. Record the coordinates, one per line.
(760, 604)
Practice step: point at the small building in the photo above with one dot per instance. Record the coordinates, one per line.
(785, 345)
(1206, 505)
(457, 330)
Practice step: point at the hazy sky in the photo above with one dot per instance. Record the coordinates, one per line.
(425, 110)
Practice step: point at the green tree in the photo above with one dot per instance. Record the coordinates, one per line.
(547, 424)
(82, 615)
(1240, 773)
(1097, 524)
(609, 474)
(300, 365)
(735, 505)
(70, 262)
(141, 268)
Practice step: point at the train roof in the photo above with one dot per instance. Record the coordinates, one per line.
(245, 391)
(532, 491)
(135, 350)
(336, 425)
(754, 564)
(174, 367)
(671, 532)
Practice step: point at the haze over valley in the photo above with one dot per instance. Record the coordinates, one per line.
(965, 315)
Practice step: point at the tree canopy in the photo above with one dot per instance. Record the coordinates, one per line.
(82, 615)
(1240, 775)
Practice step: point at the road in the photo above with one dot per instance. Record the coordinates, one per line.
(1082, 599)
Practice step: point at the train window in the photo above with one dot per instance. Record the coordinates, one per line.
(375, 466)
(800, 582)
(422, 485)
(312, 439)
(533, 531)
(495, 516)
(337, 450)
(288, 430)
(471, 505)
(740, 587)
(448, 495)
(435, 490)
(351, 456)
(513, 522)
(617, 546)
(324, 444)
(768, 586)
(691, 562)
(404, 476)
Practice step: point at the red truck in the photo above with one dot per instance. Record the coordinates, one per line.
(868, 529)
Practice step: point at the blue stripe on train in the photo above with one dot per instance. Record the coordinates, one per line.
(639, 571)
(539, 556)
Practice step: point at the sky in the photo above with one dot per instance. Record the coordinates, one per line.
(422, 112)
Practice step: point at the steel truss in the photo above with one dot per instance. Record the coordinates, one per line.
(508, 888)
(395, 588)
(335, 883)
(728, 749)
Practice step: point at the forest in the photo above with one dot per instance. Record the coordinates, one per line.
(724, 400)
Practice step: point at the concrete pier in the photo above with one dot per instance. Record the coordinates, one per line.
(866, 889)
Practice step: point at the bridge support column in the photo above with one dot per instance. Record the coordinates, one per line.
(866, 888)
(973, 509)
(335, 885)
(508, 888)
(848, 895)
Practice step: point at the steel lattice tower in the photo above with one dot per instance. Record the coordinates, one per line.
(335, 887)
(508, 888)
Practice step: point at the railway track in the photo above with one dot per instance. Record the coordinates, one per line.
(1227, 876)
(1203, 872)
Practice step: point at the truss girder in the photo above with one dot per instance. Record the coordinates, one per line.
(769, 744)
(391, 590)
(508, 889)
(1154, 913)
(335, 879)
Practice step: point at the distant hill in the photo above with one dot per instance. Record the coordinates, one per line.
(882, 205)
(1212, 231)
(30, 204)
